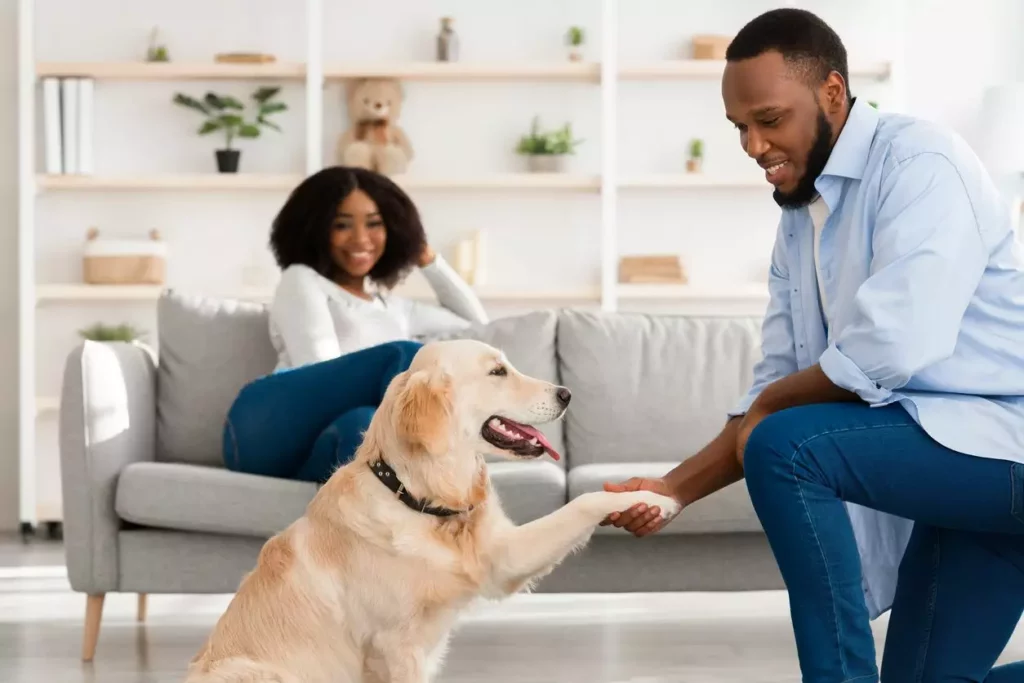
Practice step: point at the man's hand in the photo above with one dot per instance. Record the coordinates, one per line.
(639, 519)
(426, 257)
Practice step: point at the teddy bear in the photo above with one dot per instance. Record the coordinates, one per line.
(374, 140)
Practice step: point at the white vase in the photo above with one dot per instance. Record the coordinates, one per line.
(545, 163)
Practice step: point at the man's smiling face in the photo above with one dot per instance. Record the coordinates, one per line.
(785, 125)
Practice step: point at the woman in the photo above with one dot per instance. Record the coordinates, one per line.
(343, 239)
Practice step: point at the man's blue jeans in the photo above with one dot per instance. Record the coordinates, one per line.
(961, 582)
(304, 422)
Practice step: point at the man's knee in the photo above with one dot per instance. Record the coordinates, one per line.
(788, 443)
(770, 445)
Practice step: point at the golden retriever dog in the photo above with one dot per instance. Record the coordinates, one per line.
(367, 585)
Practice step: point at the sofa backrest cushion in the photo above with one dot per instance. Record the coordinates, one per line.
(528, 340)
(208, 350)
(651, 388)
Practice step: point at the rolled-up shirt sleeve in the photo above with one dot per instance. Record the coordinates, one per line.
(928, 258)
(777, 341)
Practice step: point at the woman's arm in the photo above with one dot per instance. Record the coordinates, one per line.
(452, 291)
(303, 319)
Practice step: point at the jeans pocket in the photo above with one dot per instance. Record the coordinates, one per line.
(1017, 491)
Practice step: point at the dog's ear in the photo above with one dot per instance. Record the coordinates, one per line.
(423, 412)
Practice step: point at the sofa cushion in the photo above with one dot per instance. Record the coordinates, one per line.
(528, 490)
(650, 388)
(209, 349)
(528, 340)
(209, 499)
(725, 511)
(215, 500)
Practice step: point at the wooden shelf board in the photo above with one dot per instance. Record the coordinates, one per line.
(72, 292)
(684, 180)
(672, 292)
(47, 404)
(170, 71)
(502, 181)
(253, 181)
(185, 181)
(81, 292)
(709, 68)
(469, 71)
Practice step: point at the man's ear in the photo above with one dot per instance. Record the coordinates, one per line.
(423, 412)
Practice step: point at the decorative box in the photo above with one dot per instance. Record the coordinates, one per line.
(710, 47)
(124, 261)
(655, 268)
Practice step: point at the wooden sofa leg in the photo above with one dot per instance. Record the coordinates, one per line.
(141, 614)
(93, 615)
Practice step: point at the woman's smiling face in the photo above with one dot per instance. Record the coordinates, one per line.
(358, 236)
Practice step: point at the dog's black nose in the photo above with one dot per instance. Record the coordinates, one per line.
(563, 395)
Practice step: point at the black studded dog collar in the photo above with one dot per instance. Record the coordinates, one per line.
(388, 477)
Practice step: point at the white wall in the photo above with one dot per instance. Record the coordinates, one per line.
(949, 52)
(8, 267)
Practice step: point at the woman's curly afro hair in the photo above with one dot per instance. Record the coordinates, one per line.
(301, 232)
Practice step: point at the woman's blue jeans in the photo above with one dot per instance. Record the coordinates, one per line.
(302, 423)
(961, 581)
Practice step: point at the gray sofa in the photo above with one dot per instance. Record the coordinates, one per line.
(149, 508)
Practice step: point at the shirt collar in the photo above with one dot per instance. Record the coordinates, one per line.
(849, 156)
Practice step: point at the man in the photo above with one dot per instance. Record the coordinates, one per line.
(883, 438)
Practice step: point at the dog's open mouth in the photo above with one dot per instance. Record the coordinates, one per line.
(523, 440)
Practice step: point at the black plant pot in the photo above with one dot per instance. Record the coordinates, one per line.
(227, 160)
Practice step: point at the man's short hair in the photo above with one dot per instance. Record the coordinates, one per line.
(805, 41)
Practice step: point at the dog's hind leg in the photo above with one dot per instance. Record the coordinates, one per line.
(524, 553)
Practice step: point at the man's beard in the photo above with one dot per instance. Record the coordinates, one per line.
(805, 192)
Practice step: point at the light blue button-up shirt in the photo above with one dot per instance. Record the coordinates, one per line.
(924, 283)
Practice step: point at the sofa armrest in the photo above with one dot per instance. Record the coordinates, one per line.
(107, 421)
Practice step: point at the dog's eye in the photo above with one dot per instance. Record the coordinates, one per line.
(499, 371)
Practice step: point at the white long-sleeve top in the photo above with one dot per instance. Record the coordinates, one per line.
(312, 319)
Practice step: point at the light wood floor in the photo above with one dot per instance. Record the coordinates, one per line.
(682, 638)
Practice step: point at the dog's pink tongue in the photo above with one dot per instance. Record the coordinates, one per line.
(532, 431)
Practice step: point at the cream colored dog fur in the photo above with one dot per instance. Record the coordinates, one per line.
(363, 588)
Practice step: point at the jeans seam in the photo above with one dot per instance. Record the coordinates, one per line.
(824, 562)
(817, 540)
(234, 443)
(933, 592)
(1015, 486)
(860, 678)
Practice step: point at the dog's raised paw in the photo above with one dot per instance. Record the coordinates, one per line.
(667, 507)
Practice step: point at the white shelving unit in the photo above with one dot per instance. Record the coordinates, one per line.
(314, 74)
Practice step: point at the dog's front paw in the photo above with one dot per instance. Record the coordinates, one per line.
(604, 503)
(667, 507)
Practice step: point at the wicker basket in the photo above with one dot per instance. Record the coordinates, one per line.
(124, 262)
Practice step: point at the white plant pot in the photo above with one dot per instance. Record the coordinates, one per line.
(545, 163)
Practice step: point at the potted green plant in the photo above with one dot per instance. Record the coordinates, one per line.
(693, 163)
(111, 333)
(574, 37)
(227, 114)
(545, 151)
(157, 51)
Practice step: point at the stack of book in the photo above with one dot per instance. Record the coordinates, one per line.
(67, 125)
